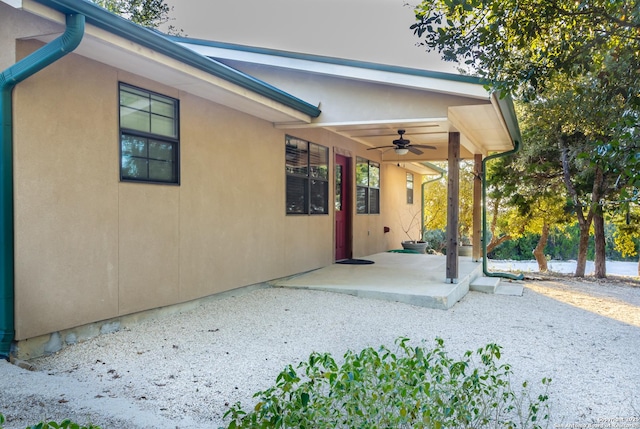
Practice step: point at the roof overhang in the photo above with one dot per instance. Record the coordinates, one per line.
(485, 122)
(214, 71)
(117, 42)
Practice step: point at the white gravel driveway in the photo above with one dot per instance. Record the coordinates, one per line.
(184, 370)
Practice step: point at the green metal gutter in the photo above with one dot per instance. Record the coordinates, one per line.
(9, 78)
(441, 171)
(163, 44)
(509, 115)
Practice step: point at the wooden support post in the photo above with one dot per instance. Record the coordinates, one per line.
(453, 207)
(477, 208)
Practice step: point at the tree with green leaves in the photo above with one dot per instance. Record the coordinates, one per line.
(579, 62)
(521, 45)
(148, 13)
(526, 198)
(573, 121)
(627, 235)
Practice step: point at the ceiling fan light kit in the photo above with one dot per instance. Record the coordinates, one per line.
(402, 150)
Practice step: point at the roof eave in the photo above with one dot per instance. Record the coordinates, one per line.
(504, 103)
(162, 44)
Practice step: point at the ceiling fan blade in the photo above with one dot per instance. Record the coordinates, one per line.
(379, 147)
(415, 150)
(424, 146)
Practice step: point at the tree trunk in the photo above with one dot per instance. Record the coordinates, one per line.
(583, 222)
(581, 266)
(538, 252)
(495, 243)
(600, 271)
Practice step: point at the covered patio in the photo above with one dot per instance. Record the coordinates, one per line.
(444, 117)
(416, 279)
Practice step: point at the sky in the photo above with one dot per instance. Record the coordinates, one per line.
(367, 30)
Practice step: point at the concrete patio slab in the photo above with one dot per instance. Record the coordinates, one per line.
(408, 278)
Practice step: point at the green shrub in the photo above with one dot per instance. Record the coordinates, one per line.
(65, 424)
(414, 387)
(437, 239)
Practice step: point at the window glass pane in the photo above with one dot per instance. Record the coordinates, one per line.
(134, 168)
(134, 99)
(409, 181)
(162, 106)
(319, 196)
(374, 175)
(163, 126)
(134, 146)
(318, 161)
(296, 195)
(296, 156)
(305, 161)
(161, 171)
(362, 205)
(161, 151)
(153, 155)
(134, 119)
(338, 201)
(374, 200)
(362, 172)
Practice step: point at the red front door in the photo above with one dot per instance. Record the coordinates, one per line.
(343, 207)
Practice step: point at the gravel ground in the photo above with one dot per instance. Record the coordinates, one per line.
(186, 370)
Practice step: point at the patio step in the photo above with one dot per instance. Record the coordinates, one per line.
(494, 285)
(485, 284)
(512, 289)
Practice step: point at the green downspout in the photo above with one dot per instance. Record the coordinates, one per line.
(439, 170)
(9, 78)
(516, 148)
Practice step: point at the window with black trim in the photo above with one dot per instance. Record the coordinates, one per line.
(149, 136)
(367, 186)
(307, 170)
(409, 188)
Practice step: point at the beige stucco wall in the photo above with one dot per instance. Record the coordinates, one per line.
(16, 24)
(402, 217)
(89, 247)
(66, 204)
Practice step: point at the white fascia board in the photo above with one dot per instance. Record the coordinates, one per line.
(463, 89)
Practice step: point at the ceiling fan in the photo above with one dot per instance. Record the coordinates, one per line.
(403, 146)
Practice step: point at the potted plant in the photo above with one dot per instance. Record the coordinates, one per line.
(465, 248)
(415, 243)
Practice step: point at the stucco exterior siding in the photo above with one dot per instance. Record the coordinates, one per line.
(66, 195)
(404, 216)
(90, 247)
(15, 25)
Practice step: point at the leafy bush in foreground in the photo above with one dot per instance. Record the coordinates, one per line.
(65, 424)
(412, 388)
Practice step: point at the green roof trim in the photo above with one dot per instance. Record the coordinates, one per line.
(336, 61)
(101, 18)
(505, 102)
